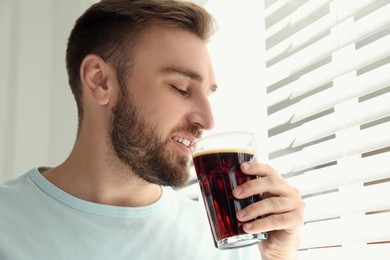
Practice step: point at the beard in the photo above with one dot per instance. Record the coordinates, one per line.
(138, 145)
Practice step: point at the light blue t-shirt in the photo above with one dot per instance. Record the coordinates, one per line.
(40, 221)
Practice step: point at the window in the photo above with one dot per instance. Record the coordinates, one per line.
(328, 110)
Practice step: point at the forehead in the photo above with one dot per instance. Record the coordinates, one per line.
(162, 46)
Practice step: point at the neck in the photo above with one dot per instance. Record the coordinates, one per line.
(93, 173)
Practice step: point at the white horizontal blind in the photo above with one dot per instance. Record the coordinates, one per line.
(328, 101)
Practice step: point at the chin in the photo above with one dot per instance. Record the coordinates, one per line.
(180, 178)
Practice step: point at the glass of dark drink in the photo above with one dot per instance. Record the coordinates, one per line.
(217, 160)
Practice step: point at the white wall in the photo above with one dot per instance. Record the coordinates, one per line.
(38, 117)
(237, 51)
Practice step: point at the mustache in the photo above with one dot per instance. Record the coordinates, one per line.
(190, 129)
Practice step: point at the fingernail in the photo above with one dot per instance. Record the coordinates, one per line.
(245, 166)
(247, 227)
(237, 190)
(241, 214)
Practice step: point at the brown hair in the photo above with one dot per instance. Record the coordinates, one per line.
(111, 27)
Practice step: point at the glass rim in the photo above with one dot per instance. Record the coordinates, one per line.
(218, 142)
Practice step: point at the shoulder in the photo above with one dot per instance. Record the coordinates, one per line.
(15, 196)
(14, 186)
(18, 193)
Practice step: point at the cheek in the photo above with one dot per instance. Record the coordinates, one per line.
(165, 110)
(167, 117)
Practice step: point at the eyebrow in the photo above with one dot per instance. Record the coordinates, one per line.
(186, 73)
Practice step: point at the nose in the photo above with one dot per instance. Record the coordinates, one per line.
(202, 114)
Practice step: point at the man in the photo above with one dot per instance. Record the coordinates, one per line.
(141, 76)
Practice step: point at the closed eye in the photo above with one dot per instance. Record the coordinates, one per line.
(179, 90)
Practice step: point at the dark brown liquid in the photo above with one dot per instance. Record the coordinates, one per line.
(218, 174)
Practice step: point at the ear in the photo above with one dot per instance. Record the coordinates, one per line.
(94, 74)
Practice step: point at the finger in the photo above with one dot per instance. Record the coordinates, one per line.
(256, 168)
(270, 184)
(286, 221)
(273, 205)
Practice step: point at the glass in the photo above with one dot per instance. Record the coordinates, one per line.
(217, 160)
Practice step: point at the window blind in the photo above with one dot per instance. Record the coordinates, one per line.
(328, 105)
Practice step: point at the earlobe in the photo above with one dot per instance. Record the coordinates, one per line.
(94, 78)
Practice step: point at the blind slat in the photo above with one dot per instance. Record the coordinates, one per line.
(277, 5)
(312, 80)
(318, 27)
(296, 41)
(308, 8)
(365, 228)
(304, 84)
(296, 17)
(361, 57)
(357, 171)
(299, 60)
(329, 44)
(364, 199)
(359, 251)
(363, 84)
(369, 139)
(328, 95)
(349, 8)
(363, 112)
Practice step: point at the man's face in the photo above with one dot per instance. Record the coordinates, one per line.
(167, 105)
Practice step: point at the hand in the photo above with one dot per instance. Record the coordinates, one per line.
(281, 205)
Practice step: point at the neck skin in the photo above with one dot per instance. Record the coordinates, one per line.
(93, 173)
